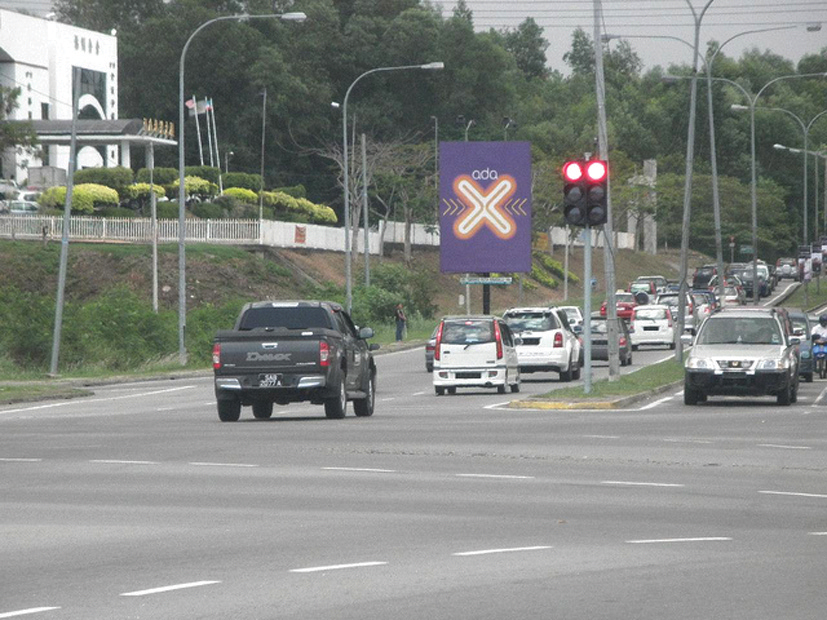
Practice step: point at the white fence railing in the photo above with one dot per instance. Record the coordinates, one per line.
(268, 232)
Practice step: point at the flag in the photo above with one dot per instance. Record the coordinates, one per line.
(199, 107)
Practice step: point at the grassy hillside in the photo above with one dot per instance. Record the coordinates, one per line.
(109, 323)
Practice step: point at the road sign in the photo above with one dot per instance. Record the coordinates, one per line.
(745, 249)
(486, 280)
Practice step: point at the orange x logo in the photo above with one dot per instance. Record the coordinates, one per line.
(485, 207)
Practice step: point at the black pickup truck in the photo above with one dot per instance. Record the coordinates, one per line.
(292, 351)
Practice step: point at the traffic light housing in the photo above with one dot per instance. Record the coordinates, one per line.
(597, 178)
(574, 193)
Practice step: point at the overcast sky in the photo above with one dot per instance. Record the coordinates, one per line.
(723, 19)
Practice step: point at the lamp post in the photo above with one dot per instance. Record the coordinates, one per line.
(346, 180)
(507, 122)
(182, 196)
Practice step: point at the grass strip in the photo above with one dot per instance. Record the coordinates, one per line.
(641, 381)
(10, 394)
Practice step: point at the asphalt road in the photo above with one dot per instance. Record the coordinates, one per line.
(139, 503)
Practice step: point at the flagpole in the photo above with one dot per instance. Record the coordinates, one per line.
(217, 152)
(197, 128)
(207, 109)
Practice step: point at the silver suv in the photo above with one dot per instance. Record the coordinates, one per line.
(743, 352)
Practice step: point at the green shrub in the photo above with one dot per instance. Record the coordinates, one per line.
(210, 173)
(542, 277)
(554, 267)
(167, 210)
(86, 198)
(208, 210)
(296, 191)
(203, 322)
(242, 180)
(160, 176)
(142, 192)
(115, 178)
(194, 187)
(241, 194)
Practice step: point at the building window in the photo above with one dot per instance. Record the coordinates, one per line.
(44, 111)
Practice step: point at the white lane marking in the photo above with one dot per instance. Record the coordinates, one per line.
(490, 551)
(820, 398)
(505, 476)
(25, 612)
(319, 569)
(677, 540)
(201, 464)
(782, 446)
(419, 393)
(641, 484)
(166, 408)
(656, 403)
(383, 400)
(179, 586)
(818, 533)
(791, 494)
(602, 436)
(508, 402)
(96, 400)
(19, 460)
(117, 462)
(362, 469)
(701, 441)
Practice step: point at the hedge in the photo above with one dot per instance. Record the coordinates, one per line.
(211, 173)
(160, 176)
(554, 267)
(299, 209)
(115, 178)
(242, 180)
(296, 191)
(141, 191)
(542, 277)
(193, 186)
(86, 197)
(241, 194)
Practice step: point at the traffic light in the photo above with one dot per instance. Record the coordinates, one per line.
(574, 193)
(597, 178)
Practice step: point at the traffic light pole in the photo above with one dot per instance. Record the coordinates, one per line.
(587, 309)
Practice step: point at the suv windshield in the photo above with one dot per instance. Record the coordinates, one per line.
(740, 330)
(531, 321)
(469, 331)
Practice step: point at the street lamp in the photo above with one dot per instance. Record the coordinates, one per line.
(507, 122)
(431, 66)
(182, 195)
(467, 125)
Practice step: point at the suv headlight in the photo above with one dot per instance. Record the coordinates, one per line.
(699, 363)
(773, 364)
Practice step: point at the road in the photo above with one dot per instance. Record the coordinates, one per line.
(138, 503)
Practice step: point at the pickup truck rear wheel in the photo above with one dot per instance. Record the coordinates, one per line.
(334, 408)
(364, 406)
(262, 410)
(229, 410)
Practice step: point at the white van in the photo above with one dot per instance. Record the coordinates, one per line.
(475, 351)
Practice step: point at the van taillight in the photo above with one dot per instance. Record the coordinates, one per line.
(499, 338)
(558, 340)
(324, 354)
(216, 356)
(622, 342)
(438, 345)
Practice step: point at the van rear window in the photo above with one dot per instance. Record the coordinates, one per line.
(531, 321)
(295, 317)
(469, 331)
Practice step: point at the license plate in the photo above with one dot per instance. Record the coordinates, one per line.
(269, 380)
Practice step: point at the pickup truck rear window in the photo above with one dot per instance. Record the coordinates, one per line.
(299, 317)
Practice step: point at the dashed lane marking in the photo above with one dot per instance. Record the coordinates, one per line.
(321, 569)
(163, 589)
(641, 484)
(117, 462)
(491, 551)
(19, 460)
(783, 447)
(200, 464)
(361, 469)
(791, 494)
(503, 476)
(654, 541)
(95, 400)
(26, 612)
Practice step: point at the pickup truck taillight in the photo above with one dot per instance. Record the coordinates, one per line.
(216, 356)
(324, 354)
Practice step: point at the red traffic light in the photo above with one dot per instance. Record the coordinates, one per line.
(596, 170)
(573, 171)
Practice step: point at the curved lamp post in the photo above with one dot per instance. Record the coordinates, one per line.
(182, 195)
(431, 66)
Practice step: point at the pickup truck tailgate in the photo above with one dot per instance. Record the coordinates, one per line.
(270, 353)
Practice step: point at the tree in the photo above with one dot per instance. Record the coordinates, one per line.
(528, 47)
(18, 134)
(104, 15)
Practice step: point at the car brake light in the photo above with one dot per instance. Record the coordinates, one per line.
(438, 345)
(499, 338)
(216, 356)
(324, 354)
(558, 340)
(622, 342)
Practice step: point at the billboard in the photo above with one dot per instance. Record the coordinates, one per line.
(485, 207)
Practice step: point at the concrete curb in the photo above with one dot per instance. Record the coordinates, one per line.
(604, 404)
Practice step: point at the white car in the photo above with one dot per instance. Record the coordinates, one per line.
(652, 325)
(546, 342)
(575, 317)
(475, 351)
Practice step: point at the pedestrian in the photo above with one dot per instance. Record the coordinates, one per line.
(401, 320)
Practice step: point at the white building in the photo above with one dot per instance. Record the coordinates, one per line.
(41, 57)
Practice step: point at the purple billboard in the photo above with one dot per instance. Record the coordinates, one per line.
(485, 207)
